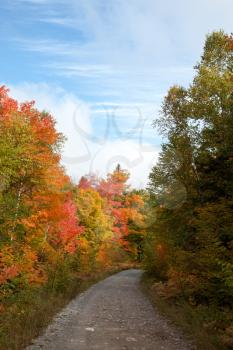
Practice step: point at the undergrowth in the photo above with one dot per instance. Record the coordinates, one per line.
(204, 325)
(24, 315)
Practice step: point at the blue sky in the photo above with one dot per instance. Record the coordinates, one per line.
(102, 67)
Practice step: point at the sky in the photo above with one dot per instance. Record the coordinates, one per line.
(102, 69)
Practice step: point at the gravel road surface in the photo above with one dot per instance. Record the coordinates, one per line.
(111, 315)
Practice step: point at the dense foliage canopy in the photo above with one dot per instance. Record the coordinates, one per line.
(190, 243)
(48, 225)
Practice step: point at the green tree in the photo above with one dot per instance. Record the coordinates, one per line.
(192, 181)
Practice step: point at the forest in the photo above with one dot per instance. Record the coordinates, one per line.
(55, 232)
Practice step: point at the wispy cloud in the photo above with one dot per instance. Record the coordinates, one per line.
(67, 22)
(117, 57)
(51, 47)
(84, 70)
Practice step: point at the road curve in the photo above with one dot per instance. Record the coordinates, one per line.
(111, 315)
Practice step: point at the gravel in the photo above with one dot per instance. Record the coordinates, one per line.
(113, 314)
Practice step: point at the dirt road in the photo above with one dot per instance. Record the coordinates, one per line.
(112, 315)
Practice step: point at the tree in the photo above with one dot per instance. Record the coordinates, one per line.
(34, 202)
(193, 179)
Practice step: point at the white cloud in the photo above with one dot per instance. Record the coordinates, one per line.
(83, 153)
(67, 22)
(126, 53)
(141, 31)
(133, 33)
(130, 155)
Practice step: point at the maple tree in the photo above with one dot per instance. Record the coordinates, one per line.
(38, 218)
(126, 207)
(48, 225)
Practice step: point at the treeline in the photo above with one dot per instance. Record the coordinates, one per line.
(51, 228)
(189, 245)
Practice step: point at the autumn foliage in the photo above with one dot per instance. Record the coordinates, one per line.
(48, 225)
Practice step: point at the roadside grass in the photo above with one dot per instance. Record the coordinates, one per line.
(202, 324)
(27, 313)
